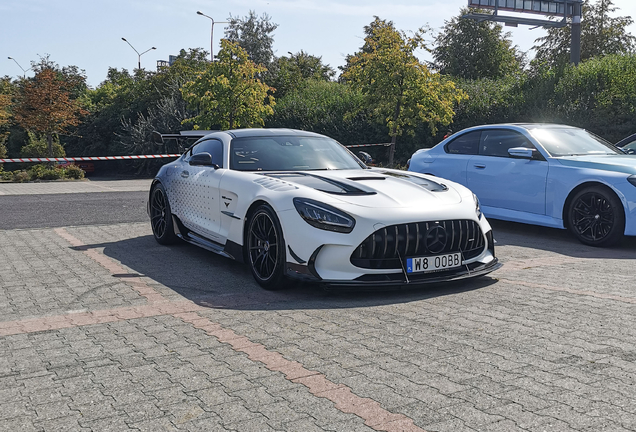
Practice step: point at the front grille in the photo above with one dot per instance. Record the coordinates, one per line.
(387, 247)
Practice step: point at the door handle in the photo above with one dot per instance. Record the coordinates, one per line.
(185, 174)
(480, 166)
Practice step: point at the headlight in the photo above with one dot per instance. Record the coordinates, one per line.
(324, 216)
(477, 207)
(632, 179)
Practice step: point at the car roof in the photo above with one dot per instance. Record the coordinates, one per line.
(524, 125)
(626, 140)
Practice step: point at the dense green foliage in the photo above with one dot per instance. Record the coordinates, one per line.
(289, 73)
(254, 35)
(358, 108)
(601, 35)
(599, 95)
(43, 172)
(396, 86)
(470, 49)
(227, 94)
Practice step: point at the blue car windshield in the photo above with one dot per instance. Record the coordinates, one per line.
(572, 142)
(290, 153)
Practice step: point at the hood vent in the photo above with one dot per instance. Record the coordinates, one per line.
(320, 183)
(365, 178)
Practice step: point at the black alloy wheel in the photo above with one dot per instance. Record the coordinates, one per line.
(266, 249)
(161, 217)
(596, 217)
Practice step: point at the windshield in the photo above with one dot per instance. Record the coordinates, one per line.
(572, 142)
(290, 153)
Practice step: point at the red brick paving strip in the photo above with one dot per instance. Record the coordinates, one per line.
(112, 266)
(58, 322)
(369, 410)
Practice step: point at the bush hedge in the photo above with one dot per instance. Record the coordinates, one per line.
(43, 172)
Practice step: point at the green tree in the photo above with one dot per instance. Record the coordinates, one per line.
(127, 107)
(6, 90)
(228, 94)
(469, 49)
(289, 73)
(601, 35)
(254, 35)
(37, 146)
(45, 104)
(599, 95)
(397, 87)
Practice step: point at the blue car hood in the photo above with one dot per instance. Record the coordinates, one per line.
(617, 163)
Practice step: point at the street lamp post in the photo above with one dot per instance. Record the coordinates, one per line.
(24, 71)
(138, 55)
(212, 32)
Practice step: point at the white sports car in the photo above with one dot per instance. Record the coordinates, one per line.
(295, 204)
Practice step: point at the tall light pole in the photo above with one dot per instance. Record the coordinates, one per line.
(212, 32)
(138, 55)
(24, 71)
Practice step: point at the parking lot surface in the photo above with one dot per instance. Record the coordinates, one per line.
(103, 329)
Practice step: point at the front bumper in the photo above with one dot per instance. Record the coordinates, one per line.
(475, 269)
(400, 280)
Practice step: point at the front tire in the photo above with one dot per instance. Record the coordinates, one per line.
(161, 216)
(596, 217)
(266, 249)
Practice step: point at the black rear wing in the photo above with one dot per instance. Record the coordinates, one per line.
(183, 135)
(183, 139)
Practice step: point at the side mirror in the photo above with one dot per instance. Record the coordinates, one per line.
(365, 157)
(520, 152)
(202, 159)
(157, 138)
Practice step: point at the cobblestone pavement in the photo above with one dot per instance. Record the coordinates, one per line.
(103, 329)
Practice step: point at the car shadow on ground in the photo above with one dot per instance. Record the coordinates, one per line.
(557, 240)
(214, 281)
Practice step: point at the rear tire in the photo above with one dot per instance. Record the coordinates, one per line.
(596, 217)
(266, 249)
(161, 216)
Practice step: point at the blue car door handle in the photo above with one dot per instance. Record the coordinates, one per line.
(480, 166)
(185, 174)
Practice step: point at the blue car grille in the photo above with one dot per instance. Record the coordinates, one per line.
(387, 248)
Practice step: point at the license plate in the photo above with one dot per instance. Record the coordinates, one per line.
(433, 263)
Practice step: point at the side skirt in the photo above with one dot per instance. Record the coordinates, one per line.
(229, 250)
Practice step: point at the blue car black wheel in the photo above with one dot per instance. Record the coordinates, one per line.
(596, 217)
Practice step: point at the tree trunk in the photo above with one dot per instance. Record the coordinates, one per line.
(392, 150)
(49, 141)
(396, 115)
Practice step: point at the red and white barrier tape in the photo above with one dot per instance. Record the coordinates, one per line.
(107, 158)
(368, 145)
(89, 158)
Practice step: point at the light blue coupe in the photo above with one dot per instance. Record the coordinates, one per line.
(542, 174)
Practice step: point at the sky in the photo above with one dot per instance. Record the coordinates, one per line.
(88, 33)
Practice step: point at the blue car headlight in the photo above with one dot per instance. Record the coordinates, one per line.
(632, 179)
(477, 206)
(324, 216)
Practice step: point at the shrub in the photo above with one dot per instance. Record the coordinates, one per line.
(21, 176)
(600, 95)
(36, 172)
(74, 172)
(43, 172)
(38, 147)
(52, 174)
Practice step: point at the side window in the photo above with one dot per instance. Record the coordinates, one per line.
(467, 144)
(496, 142)
(212, 146)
